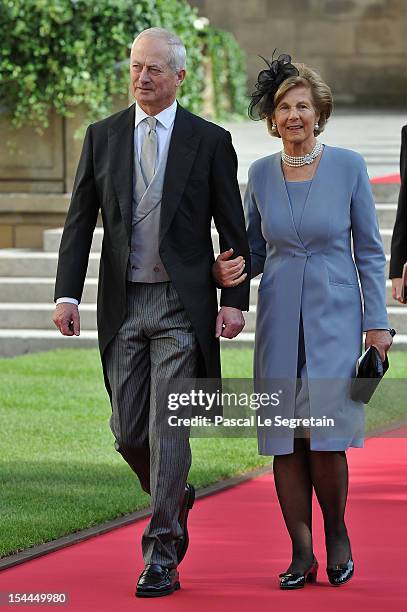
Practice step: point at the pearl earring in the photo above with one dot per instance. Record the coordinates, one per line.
(316, 126)
(273, 127)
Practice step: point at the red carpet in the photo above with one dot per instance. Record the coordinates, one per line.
(239, 545)
(390, 178)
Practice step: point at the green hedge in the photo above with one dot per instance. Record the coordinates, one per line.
(229, 77)
(61, 53)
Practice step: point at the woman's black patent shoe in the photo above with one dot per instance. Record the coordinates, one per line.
(298, 580)
(340, 574)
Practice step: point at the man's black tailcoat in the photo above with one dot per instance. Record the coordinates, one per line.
(399, 239)
(200, 183)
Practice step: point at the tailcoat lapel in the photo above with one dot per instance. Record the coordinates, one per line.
(181, 156)
(121, 161)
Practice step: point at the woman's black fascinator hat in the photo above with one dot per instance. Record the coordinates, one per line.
(268, 82)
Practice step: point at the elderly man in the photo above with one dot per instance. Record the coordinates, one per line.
(159, 175)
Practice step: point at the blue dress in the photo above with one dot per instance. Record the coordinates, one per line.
(310, 271)
(297, 195)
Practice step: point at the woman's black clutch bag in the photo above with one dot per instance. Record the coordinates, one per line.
(370, 371)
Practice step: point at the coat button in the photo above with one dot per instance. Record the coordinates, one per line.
(156, 269)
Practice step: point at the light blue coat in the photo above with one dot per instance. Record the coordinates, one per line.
(313, 271)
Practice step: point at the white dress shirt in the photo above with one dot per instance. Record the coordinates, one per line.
(165, 123)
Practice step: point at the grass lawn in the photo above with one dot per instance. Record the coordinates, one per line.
(59, 471)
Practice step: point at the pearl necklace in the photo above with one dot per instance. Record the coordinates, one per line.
(303, 160)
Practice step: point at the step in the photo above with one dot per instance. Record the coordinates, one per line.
(385, 192)
(37, 289)
(247, 339)
(52, 239)
(382, 192)
(397, 318)
(254, 287)
(386, 214)
(28, 262)
(30, 289)
(386, 235)
(39, 316)
(15, 342)
(21, 341)
(25, 262)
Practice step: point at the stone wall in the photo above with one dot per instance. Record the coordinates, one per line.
(359, 46)
(36, 175)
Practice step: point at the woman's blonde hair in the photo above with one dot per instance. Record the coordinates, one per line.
(321, 95)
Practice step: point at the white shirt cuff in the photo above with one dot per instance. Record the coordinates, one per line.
(67, 300)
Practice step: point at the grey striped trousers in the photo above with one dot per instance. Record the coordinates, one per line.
(156, 341)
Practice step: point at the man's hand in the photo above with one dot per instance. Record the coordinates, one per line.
(381, 339)
(229, 322)
(228, 273)
(396, 290)
(66, 318)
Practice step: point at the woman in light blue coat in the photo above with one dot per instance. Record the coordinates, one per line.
(305, 206)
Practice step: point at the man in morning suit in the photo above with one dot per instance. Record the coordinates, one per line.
(399, 238)
(159, 174)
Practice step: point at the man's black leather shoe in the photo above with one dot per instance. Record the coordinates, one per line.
(182, 544)
(156, 581)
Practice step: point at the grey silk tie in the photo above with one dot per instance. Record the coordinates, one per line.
(149, 150)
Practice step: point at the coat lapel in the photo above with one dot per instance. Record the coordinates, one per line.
(278, 190)
(315, 208)
(121, 160)
(181, 156)
(312, 212)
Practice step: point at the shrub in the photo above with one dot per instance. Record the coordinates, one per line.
(57, 54)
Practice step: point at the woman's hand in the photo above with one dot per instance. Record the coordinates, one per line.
(396, 284)
(381, 339)
(228, 273)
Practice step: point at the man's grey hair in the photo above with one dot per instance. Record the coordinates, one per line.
(177, 54)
